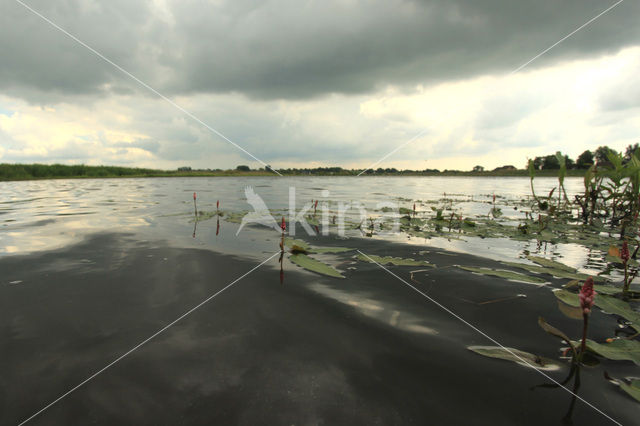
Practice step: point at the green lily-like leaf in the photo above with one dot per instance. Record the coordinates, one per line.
(234, 217)
(619, 350)
(555, 332)
(573, 312)
(609, 304)
(616, 306)
(291, 242)
(330, 249)
(519, 357)
(567, 297)
(397, 261)
(314, 265)
(547, 263)
(536, 269)
(632, 388)
(503, 273)
(607, 289)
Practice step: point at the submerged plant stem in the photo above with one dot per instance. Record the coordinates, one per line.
(583, 344)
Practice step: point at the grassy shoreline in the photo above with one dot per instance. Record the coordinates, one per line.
(19, 172)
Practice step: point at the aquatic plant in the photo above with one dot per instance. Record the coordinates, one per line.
(195, 207)
(586, 298)
(532, 175)
(315, 265)
(624, 255)
(630, 386)
(283, 226)
(587, 295)
(562, 172)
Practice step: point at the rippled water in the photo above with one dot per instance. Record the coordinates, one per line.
(48, 214)
(73, 311)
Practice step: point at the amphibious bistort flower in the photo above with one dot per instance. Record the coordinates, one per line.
(624, 252)
(587, 295)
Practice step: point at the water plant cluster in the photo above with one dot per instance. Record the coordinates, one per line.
(610, 225)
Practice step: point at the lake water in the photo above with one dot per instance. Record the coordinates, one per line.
(89, 269)
(40, 215)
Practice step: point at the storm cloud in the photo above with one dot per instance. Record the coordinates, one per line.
(316, 83)
(291, 49)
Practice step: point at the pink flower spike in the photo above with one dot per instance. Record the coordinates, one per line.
(217, 204)
(194, 195)
(283, 225)
(587, 295)
(624, 252)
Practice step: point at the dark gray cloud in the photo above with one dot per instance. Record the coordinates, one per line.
(290, 49)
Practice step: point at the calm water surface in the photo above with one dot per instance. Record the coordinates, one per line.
(48, 214)
(110, 261)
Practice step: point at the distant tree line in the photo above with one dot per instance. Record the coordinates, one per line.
(43, 171)
(548, 162)
(584, 160)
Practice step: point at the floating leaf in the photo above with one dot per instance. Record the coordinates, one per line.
(612, 259)
(558, 273)
(290, 242)
(314, 265)
(609, 304)
(234, 217)
(567, 297)
(619, 307)
(503, 273)
(398, 261)
(607, 289)
(572, 283)
(520, 357)
(330, 249)
(298, 250)
(573, 312)
(619, 350)
(632, 389)
(554, 331)
(551, 263)
(206, 215)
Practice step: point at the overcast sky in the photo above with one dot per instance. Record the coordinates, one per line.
(308, 83)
